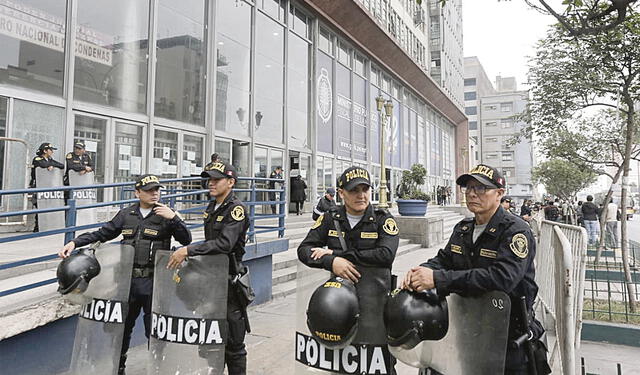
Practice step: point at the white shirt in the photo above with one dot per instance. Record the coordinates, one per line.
(477, 231)
(612, 212)
(354, 220)
(145, 211)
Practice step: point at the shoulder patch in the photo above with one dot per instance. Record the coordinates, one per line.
(237, 213)
(38, 158)
(390, 227)
(520, 245)
(69, 156)
(318, 222)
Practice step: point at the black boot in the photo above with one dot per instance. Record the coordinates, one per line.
(121, 366)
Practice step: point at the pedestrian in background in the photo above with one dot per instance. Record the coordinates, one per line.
(276, 173)
(611, 220)
(78, 160)
(590, 218)
(579, 217)
(525, 210)
(551, 212)
(298, 193)
(325, 203)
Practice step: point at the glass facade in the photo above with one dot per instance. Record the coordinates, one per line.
(146, 109)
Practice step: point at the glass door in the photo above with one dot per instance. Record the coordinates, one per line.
(129, 138)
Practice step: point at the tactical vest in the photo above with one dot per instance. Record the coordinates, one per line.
(146, 236)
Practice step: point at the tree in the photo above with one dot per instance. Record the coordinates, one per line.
(562, 178)
(602, 70)
(583, 17)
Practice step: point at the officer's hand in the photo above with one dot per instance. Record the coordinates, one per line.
(177, 258)
(345, 269)
(88, 169)
(82, 172)
(422, 279)
(164, 211)
(50, 168)
(406, 281)
(67, 249)
(318, 252)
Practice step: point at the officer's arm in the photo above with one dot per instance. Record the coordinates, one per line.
(90, 163)
(56, 164)
(39, 162)
(107, 232)
(223, 243)
(385, 251)
(442, 261)
(504, 274)
(181, 233)
(317, 237)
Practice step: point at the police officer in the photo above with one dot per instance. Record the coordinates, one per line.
(507, 203)
(43, 159)
(371, 235)
(226, 223)
(276, 173)
(494, 250)
(78, 160)
(325, 203)
(147, 226)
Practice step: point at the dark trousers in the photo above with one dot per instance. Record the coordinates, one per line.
(235, 354)
(140, 297)
(272, 197)
(299, 207)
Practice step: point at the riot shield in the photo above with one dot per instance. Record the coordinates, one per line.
(189, 315)
(84, 196)
(368, 352)
(50, 199)
(475, 343)
(98, 340)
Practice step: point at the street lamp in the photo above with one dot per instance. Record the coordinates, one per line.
(388, 111)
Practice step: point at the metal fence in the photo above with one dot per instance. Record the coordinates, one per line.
(606, 291)
(178, 196)
(560, 271)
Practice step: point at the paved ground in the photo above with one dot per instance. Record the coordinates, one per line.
(271, 343)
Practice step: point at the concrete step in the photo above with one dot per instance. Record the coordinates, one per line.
(27, 269)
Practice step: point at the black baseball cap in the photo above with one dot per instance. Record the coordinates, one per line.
(506, 198)
(148, 182)
(45, 146)
(220, 170)
(79, 145)
(352, 177)
(484, 174)
(331, 191)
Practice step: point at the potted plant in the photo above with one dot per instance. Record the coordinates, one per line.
(412, 201)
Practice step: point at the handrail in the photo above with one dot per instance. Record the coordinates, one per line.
(71, 209)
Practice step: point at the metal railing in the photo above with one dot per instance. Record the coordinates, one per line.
(560, 272)
(184, 201)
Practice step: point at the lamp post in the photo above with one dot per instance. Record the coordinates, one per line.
(388, 111)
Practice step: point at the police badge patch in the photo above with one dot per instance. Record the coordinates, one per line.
(519, 245)
(318, 222)
(238, 213)
(390, 227)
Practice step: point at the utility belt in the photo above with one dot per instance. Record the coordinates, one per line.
(139, 272)
(534, 347)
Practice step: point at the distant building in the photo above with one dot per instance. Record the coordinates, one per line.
(492, 115)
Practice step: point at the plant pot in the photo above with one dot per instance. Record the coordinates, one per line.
(412, 207)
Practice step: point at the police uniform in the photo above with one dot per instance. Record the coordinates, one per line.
(78, 163)
(145, 234)
(373, 241)
(42, 162)
(225, 231)
(501, 258)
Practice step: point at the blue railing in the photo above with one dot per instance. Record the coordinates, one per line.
(172, 196)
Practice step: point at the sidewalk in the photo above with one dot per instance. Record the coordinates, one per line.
(271, 342)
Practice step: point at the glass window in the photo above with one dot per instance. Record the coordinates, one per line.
(406, 137)
(164, 160)
(298, 92)
(261, 166)
(93, 132)
(469, 81)
(343, 111)
(325, 43)
(222, 147)
(233, 58)
(324, 103)
(192, 155)
(490, 107)
(471, 95)
(181, 61)
(344, 54)
(471, 110)
(128, 153)
(358, 65)
(241, 157)
(274, 8)
(491, 139)
(111, 53)
(269, 79)
(359, 118)
(490, 124)
(507, 156)
(299, 22)
(506, 107)
(32, 43)
(506, 123)
(374, 115)
(473, 125)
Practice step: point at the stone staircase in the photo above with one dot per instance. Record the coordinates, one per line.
(285, 264)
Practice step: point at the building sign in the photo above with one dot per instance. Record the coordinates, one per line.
(53, 39)
(324, 104)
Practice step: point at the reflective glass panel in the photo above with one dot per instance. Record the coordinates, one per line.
(298, 92)
(164, 160)
(181, 61)
(112, 52)
(269, 79)
(233, 59)
(128, 153)
(192, 155)
(32, 44)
